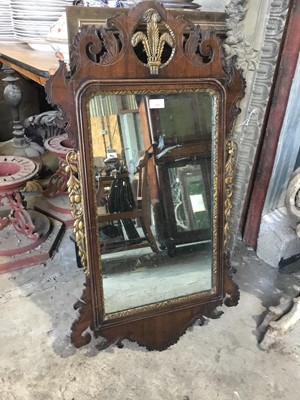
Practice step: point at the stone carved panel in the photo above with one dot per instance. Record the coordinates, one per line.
(43, 126)
(236, 44)
(271, 17)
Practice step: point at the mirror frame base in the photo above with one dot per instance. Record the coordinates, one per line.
(160, 331)
(156, 332)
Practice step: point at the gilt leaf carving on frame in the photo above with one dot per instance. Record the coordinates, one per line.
(154, 41)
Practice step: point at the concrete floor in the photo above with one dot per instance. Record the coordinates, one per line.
(219, 360)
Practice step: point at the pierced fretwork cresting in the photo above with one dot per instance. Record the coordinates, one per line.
(100, 53)
(156, 29)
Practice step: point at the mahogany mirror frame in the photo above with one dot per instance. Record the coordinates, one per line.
(99, 60)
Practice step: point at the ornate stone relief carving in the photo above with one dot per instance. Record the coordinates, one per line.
(247, 129)
(236, 44)
(42, 126)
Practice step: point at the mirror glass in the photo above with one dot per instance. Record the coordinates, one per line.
(153, 167)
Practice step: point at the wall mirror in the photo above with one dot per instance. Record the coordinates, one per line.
(159, 195)
(149, 104)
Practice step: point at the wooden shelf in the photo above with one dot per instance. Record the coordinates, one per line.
(30, 63)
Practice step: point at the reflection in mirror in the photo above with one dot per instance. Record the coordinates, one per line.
(153, 187)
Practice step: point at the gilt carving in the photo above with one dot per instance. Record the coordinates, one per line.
(154, 41)
(74, 190)
(229, 171)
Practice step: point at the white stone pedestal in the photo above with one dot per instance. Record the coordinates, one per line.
(277, 237)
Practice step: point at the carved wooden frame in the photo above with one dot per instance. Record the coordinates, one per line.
(99, 61)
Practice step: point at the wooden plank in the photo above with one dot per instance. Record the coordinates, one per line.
(35, 65)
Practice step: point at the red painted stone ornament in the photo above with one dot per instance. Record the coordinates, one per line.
(56, 202)
(23, 232)
(14, 173)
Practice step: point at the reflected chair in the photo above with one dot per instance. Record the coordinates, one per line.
(141, 212)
